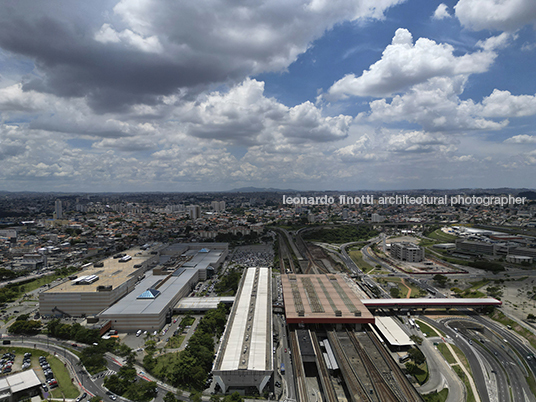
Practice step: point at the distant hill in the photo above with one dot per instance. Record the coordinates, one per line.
(260, 190)
(531, 195)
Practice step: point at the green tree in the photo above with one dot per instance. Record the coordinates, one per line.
(170, 397)
(395, 292)
(440, 280)
(417, 356)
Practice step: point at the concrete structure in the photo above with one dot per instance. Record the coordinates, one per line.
(115, 280)
(424, 303)
(244, 358)
(194, 211)
(19, 386)
(525, 251)
(58, 210)
(519, 259)
(218, 206)
(407, 252)
(199, 304)
(120, 281)
(322, 299)
(392, 332)
(377, 218)
(475, 247)
(150, 305)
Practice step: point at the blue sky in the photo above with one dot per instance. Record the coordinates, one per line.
(147, 95)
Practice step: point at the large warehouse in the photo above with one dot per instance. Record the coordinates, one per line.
(322, 299)
(139, 290)
(97, 288)
(244, 358)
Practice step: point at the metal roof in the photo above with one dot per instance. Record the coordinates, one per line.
(392, 332)
(424, 302)
(249, 340)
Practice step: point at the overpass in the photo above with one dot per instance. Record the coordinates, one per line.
(425, 303)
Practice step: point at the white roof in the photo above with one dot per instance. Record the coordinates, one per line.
(392, 332)
(260, 329)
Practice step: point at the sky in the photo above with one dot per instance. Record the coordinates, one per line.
(212, 95)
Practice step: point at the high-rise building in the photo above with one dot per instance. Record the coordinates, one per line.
(377, 218)
(194, 211)
(218, 206)
(58, 210)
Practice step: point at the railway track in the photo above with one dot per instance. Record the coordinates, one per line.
(355, 388)
(410, 393)
(327, 386)
(297, 364)
(381, 387)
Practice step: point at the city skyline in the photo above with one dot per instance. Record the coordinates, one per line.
(127, 96)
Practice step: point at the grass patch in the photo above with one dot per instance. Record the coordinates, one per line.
(463, 377)
(435, 396)
(462, 358)
(357, 257)
(443, 348)
(421, 373)
(61, 374)
(427, 330)
(498, 316)
(442, 236)
(65, 387)
(175, 342)
(187, 321)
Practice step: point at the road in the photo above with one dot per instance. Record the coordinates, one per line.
(474, 363)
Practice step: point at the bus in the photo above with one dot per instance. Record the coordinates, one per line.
(282, 368)
(404, 358)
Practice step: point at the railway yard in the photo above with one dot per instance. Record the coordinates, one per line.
(335, 354)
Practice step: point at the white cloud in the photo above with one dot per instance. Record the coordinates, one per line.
(404, 64)
(435, 105)
(504, 104)
(502, 15)
(245, 116)
(108, 34)
(257, 36)
(521, 139)
(359, 151)
(441, 12)
(420, 142)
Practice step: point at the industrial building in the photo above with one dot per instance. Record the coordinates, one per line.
(406, 251)
(244, 359)
(138, 292)
(322, 299)
(112, 281)
(200, 304)
(475, 247)
(20, 386)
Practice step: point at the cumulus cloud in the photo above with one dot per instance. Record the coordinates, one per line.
(441, 12)
(436, 106)
(499, 15)
(359, 151)
(521, 139)
(245, 116)
(404, 64)
(504, 104)
(140, 50)
(420, 142)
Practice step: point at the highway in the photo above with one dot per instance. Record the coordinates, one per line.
(478, 375)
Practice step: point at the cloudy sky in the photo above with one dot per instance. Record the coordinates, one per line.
(210, 95)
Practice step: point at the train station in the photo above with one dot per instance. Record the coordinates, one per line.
(244, 359)
(322, 299)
